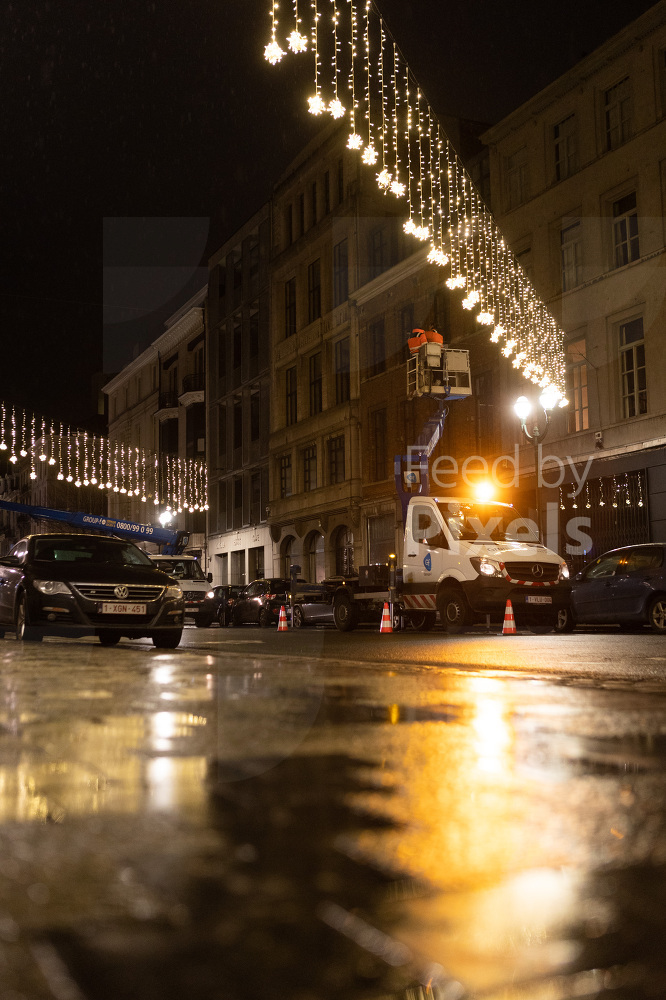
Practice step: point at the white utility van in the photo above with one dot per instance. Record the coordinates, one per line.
(191, 579)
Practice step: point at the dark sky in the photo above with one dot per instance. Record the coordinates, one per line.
(115, 115)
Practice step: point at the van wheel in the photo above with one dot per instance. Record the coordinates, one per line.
(345, 614)
(454, 613)
(422, 621)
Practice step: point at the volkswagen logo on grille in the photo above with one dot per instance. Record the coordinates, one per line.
(537, 569)
(121, 593)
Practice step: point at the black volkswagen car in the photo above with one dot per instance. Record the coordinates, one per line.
(77, 584)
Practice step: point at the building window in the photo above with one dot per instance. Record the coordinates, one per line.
(254, 342)
(378, 251)
(222, 435)
(524, 258)
(341, 183)
(253, 256)
(238, 502)
(313, 202)
(516, 178)
(222, 352)
(625, 230)
(238, 345)
(222, 285)
(285, 476)
(290, 307)
(571, 255)
(340, 272)
(377, 347)
(342, 371)
(483, 394)
(310, 468)
(378, 458)
(315, 384)
(381, 538)
(301, 212)
(565, 140)
(238, 280)
(577, 411)
(291, 399)
(327, 192)
(336, 459)
(314, 291)
(238, 425)
(255, 415)
(289, 225)
(617, 114)
(632, 367)
(255, 498)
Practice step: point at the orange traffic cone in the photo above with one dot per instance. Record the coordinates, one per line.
(509, 626)
(386, 625)
(282, 620)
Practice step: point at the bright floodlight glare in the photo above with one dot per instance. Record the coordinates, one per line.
(484, 490)
(166, 517)
(522, 407)
(548, 399)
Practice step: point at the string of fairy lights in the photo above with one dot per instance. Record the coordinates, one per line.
(84, 459)
(360, 73)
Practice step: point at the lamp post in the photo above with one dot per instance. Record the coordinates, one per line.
(524, 408)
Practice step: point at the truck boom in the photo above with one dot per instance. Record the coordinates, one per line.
(173, 542)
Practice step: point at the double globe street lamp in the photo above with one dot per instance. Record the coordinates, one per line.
(524, 408)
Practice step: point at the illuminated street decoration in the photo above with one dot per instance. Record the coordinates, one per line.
(85, 459)
(418, 163)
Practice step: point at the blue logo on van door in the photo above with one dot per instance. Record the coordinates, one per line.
(427, 562)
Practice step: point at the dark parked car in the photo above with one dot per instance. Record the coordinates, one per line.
(625, 586)
(76, 584)
(260, 602)
(313, 604)
(218, 604)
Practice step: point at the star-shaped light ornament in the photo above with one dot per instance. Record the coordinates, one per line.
(336, 108)
(398, 188)
(456, 281)
(437, 256)
(273, 53)
(384, 178)
(498, 332)
(297, 42)
(315, 105)
(409, 227)
(485, 318)
(354, 141)
(369, 155)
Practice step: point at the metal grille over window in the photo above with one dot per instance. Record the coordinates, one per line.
(632, 366)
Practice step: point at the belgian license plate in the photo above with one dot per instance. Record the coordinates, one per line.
(538, 599)
(122, 609)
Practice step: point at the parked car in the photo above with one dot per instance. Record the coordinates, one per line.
(218, 604)
(625, 586)
(313, 604)
(77, 584)
(260, 602)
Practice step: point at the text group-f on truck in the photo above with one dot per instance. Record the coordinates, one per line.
(464, 559)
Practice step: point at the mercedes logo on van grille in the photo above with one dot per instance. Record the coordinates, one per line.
(121, 592)
(537, 570)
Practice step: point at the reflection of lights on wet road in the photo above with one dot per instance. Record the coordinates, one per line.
(492, 729)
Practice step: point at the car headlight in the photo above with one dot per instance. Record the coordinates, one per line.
(485, 567)
(51, 587)
(564, 572)
(210, 595)
(175, 593)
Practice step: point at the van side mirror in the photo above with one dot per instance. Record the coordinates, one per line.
(209, 577)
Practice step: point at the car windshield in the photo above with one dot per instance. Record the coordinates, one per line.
(182, 569)
(483, 522)
(90, 549)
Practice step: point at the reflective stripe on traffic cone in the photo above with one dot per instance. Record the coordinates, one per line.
(509, 626)
(282, 620)
(386, 625)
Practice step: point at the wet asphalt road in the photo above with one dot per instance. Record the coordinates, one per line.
(310, 815)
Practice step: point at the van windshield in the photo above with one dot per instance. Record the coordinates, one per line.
(182, 569)
(486, 522)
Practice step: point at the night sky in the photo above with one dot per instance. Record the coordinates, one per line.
(141, 135)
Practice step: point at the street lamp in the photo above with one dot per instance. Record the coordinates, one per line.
(524, 408)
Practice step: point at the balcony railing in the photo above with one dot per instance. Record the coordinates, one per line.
(168, 400)
(194, 383)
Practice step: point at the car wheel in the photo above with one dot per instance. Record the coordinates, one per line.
(108, 638)
(657, 615)
(297, 619)
(203, 622)
(564, 621)
(421, 621)
(168, 640)
(222, 619)
(25, 632)
(453, 610)
(345, 614)
(265, 618)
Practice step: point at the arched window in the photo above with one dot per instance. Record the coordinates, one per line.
(285, 556)
(315, 569)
